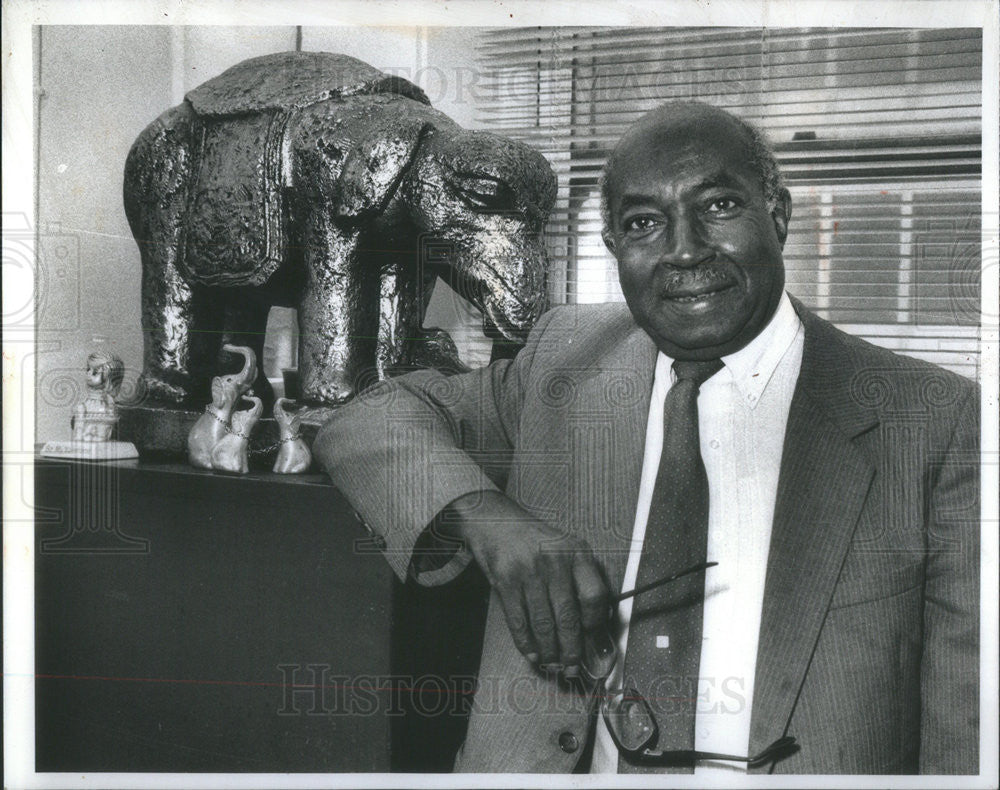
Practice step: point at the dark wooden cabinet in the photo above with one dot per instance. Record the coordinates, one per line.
(191, 621)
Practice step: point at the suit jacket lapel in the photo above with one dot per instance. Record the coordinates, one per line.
(608, 419)
(823, 482)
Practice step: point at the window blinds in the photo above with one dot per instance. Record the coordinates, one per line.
(877, 132)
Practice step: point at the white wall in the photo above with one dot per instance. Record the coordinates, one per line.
(99, 87)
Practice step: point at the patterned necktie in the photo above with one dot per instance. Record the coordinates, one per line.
(665, 631)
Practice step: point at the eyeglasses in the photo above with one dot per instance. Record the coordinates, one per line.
(629, 718)
(634, 730)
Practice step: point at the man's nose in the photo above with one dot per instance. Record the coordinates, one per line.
(685, 245)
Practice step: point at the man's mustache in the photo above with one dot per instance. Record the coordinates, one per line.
(702, 277)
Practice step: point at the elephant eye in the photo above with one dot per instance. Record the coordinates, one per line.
(484, 194)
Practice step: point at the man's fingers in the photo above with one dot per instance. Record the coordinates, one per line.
(517, 622)
(541, 621)
(591, 592)
(567, 614)
(548, 596)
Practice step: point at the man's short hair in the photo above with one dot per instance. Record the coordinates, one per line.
(760, 157)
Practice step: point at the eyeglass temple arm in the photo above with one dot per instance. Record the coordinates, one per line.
(780, 748)
(701, 566)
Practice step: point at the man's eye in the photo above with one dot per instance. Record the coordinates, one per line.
(639, 224)
(721, 206)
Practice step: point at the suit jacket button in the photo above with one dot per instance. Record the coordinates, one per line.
(379, 542)
(568, 742)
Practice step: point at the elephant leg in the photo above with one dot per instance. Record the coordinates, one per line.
(206, 332)
(245, 324)
(182, 334)
(338, 320)
(400, 312)
(167, 319)
(157, 172)
(405, 297)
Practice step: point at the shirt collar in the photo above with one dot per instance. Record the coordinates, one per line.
(752, 367)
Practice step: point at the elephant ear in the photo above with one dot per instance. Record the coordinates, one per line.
(375, 166)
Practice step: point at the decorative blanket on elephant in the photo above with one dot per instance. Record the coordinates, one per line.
(236, 192)
(237, 180)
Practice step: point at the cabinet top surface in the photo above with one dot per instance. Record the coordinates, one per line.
(164, 469)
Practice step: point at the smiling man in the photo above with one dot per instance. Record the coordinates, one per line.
(699, 253)
(714, 420)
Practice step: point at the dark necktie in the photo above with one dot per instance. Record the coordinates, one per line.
(665, 631)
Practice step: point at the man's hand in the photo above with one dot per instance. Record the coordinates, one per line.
(551, 587)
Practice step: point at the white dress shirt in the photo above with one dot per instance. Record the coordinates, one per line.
(742, 411)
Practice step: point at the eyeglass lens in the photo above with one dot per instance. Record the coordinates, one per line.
(629, 717)
(599, 654)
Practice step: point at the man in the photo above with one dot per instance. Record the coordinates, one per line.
(834, 483)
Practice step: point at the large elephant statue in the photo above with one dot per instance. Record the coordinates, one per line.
(315, 181)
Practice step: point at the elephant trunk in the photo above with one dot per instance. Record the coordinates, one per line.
(248, 374)
(512, 294)
(294, 456)
(255, 410)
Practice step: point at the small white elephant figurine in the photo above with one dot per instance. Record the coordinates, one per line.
(211, 426)
(293, 454)
(232, 453)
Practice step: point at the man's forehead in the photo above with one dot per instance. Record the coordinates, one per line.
(693, 134)
(640, 182)
(690, 161)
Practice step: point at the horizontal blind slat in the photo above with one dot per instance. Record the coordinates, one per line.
(754, 56)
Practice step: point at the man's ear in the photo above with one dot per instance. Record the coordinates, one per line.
(609, 240)
(781, 214)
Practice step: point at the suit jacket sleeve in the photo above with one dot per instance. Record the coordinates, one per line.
(406, 448)
(950, 666)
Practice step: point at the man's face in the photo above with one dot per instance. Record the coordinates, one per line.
(699, 254)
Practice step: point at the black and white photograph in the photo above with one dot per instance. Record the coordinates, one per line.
(522, 394)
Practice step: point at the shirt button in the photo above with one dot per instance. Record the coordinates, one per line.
(568, 742)
(751, 397)
(714, 444)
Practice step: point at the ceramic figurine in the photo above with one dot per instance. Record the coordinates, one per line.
(232, 453)
(211, 426)
(95, 417)
(293, 454)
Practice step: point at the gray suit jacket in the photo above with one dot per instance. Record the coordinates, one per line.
(868, 648)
